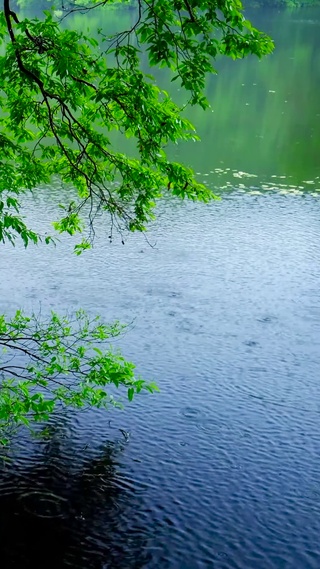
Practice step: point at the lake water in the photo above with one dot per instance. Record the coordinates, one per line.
(221, 470)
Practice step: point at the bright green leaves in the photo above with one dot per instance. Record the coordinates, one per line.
(63, 360)
(13, 225)
(63, 93)
(239, 46)
(186, 36)
(81, 247)
(70, 224)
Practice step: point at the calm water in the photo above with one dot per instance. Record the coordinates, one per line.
(221, 470)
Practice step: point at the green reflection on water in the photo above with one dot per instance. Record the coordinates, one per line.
(266, 114)
(265, 118)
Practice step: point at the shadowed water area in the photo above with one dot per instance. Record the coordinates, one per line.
(221, 469)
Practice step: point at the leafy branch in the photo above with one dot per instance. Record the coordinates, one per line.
(63, 92)
(63, 360)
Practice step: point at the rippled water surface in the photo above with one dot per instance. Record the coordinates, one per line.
(221, 469)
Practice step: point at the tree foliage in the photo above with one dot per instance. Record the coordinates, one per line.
(59, 361)
(63, 93)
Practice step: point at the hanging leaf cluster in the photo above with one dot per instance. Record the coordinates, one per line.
(63, 93)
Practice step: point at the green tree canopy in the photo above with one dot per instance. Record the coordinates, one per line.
(62, 95)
